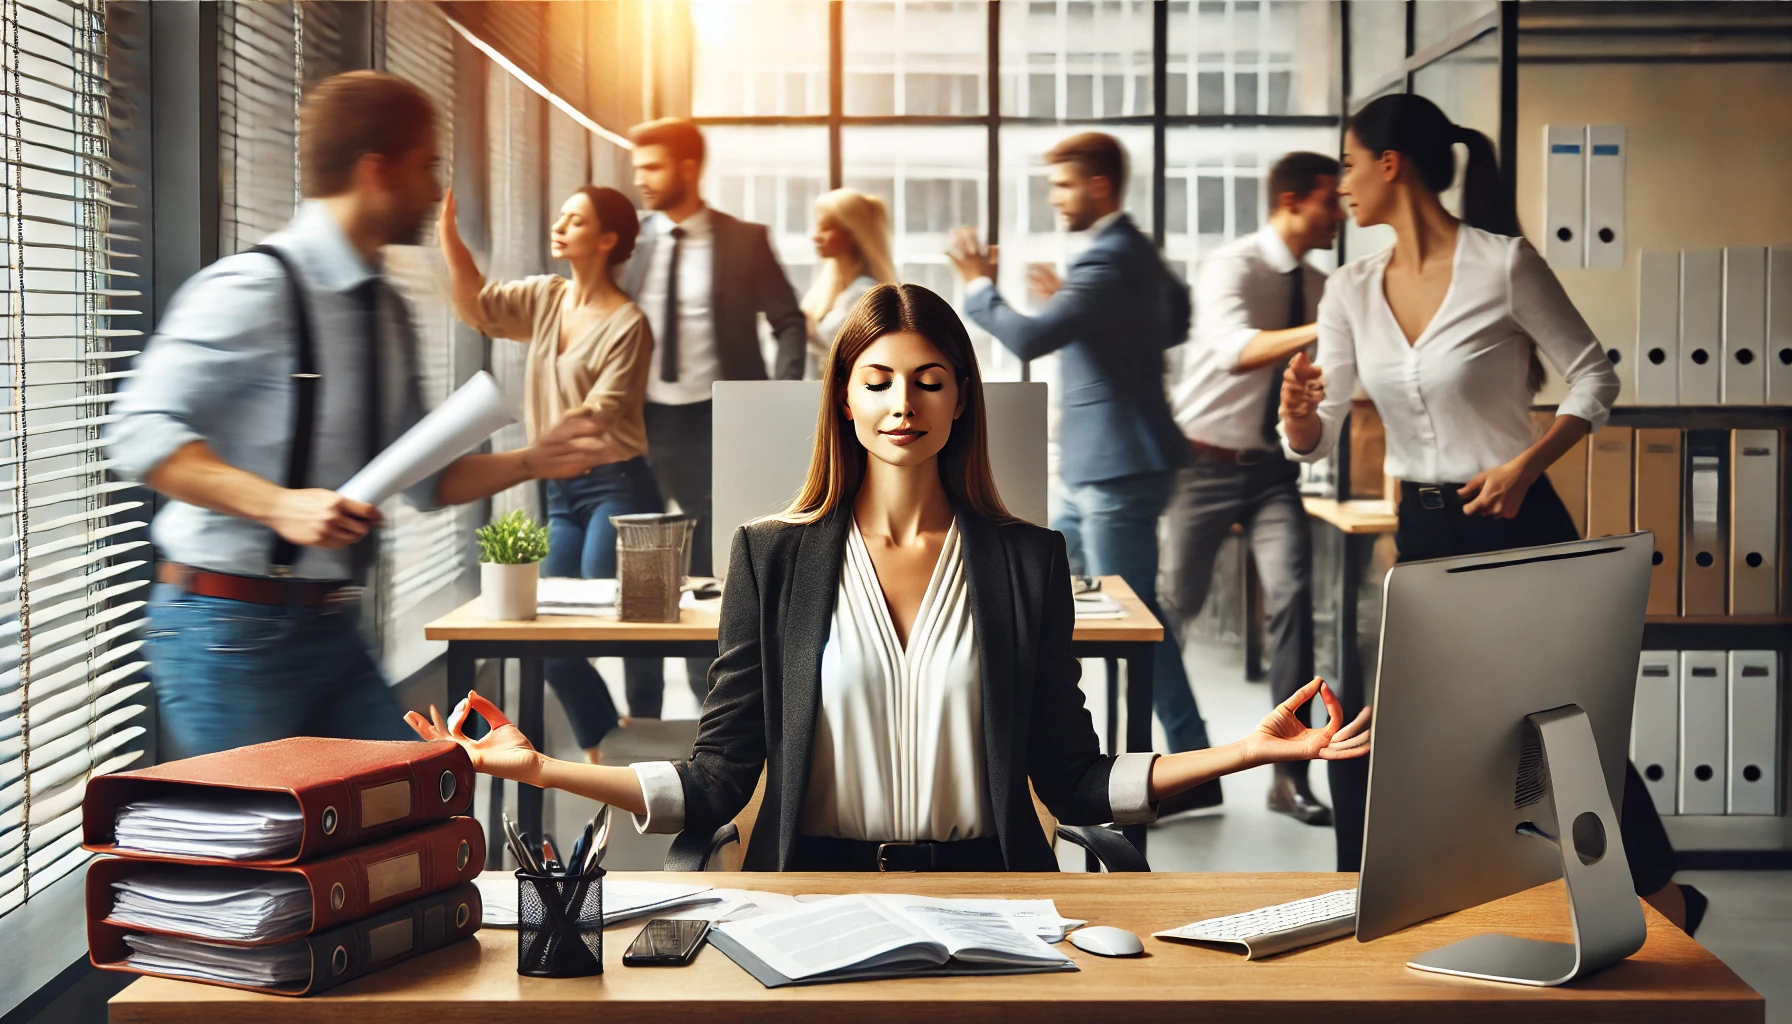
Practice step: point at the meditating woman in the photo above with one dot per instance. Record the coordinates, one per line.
(590, 350)
(895, 650)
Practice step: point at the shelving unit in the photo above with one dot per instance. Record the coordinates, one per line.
(1725, 841)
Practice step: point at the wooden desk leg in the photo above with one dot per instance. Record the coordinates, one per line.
(530, 720)
(1138, 716)
(1349, 779)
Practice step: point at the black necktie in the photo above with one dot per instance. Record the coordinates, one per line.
(367, 296)
(1297, 317)
(669, 328)
(364, 555)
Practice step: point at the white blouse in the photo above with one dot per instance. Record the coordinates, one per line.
(898, 753)
(1455, 402)
(899, 742)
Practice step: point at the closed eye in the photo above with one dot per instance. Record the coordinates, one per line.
(928, 387)
(885, 386)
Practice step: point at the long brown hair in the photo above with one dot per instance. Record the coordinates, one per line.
(837, 465)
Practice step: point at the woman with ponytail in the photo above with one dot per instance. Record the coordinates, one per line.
(1443, 330)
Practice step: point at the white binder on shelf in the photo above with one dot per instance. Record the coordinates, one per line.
(1605, 197)
(1564, 195)
(1704, 730)
(1779, 326)
(1655, 728)
(1755, 517)
(1658, 327)
(1754, 747)
(1745, 325)
(1701, 318)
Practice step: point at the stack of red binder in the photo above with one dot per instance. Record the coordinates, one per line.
(288, 867)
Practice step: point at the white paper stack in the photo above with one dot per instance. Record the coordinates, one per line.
(1097, 605)
(623, 900)
(218, 904)
(561, 595)
(235, 825)
(261, 966)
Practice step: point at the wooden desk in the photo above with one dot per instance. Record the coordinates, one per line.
(471, 636)
(1671, 979)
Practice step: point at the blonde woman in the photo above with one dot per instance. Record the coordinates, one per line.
(895, 651)
(852, 238)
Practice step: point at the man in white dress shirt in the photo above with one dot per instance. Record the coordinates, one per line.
(1255, 306)
(719, 274)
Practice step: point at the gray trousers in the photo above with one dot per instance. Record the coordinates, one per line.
(1265, 499)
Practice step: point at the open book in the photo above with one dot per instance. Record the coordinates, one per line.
(857, 938)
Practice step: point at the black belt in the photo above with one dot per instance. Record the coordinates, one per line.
(825, 853)
(1435, 497)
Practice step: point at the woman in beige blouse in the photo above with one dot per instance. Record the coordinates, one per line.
(590, 349)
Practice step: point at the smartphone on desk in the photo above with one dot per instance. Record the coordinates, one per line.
(665, 942)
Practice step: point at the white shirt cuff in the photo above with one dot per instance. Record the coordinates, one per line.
(1129, 789)
(663, 792)
(977, 285)
(1587, 407)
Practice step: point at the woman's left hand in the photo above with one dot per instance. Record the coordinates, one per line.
(1498, 492)
(1282, 736)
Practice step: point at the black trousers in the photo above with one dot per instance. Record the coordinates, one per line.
(680, 448)
(1432, 525)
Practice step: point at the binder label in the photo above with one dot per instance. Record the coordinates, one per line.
(390, 940)
(394, 876)
(390, 802)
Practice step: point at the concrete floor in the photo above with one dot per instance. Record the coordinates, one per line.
(1749, 925)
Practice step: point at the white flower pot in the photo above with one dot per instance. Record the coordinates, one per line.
(507, 592)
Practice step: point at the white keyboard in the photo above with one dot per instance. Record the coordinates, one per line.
(1276, 929)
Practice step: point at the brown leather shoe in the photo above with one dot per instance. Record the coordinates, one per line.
(1286, 796)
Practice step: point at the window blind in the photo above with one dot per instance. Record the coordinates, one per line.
(424, 556)
(73, 566)
(259, 70)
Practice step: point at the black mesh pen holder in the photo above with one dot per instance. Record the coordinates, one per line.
(560, 925)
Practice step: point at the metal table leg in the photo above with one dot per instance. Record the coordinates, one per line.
(530, 696)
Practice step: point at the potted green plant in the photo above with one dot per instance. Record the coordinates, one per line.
(510, 552)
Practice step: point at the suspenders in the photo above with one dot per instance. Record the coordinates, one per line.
(304, 416)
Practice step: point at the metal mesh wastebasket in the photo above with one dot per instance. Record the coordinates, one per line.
(652, 553)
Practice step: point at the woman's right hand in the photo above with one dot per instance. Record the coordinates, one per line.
(504, 751)
(446, 226)
(1303, 388)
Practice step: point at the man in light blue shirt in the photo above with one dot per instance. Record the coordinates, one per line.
(253, 623)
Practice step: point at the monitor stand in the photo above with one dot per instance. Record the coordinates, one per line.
(1602, 902)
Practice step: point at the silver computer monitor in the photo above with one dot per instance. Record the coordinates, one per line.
(765, 429)
(1460, 786)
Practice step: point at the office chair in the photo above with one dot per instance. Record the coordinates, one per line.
(694, 851)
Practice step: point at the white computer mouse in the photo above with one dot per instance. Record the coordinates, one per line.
(1105, 941)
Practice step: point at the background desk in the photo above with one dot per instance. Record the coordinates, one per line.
(1671, 979)
(471, 636)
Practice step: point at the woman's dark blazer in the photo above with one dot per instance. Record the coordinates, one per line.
(765, 686)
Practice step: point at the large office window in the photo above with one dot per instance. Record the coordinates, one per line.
(1244, 81)
(259, 69)
(72, 561)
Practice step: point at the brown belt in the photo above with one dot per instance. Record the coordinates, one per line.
(1247, 457)
(252, 589)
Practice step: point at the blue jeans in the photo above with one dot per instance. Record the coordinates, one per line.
(582, 543)
(1110, 528)
(230, 673)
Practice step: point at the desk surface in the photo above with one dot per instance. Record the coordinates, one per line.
(1354, 517)
(1672, 978)
(699, 623)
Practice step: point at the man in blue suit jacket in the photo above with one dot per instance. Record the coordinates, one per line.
(1112, 317)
